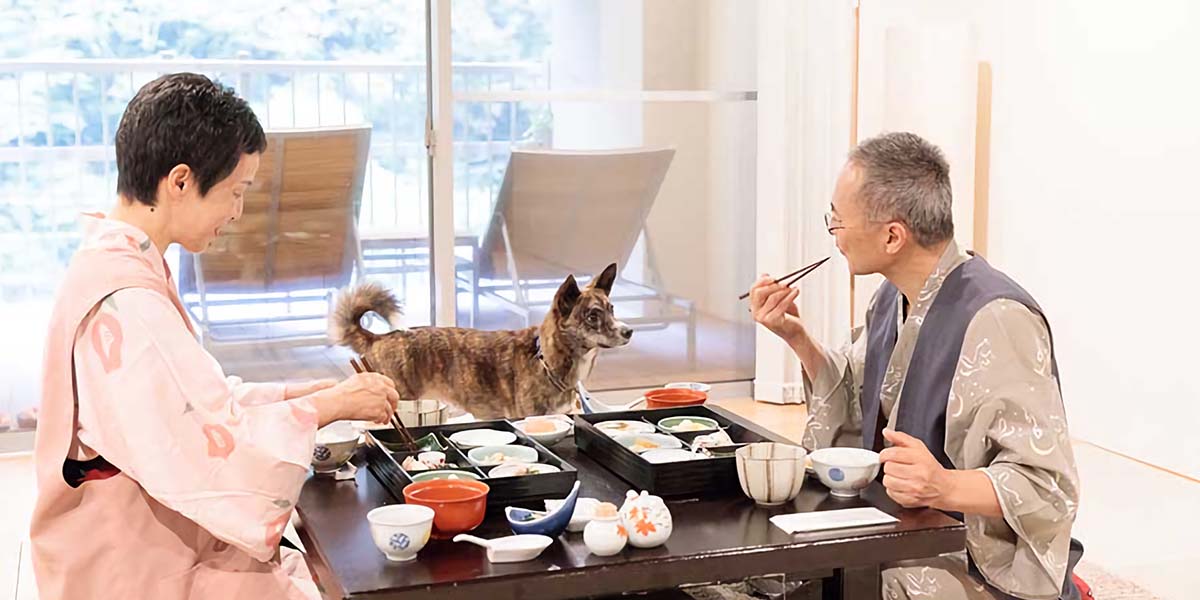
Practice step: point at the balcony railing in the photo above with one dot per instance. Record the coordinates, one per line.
(57, 157)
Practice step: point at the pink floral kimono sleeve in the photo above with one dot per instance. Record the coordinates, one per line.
(231, 456)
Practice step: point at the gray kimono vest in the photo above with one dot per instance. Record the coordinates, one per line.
(965, 291)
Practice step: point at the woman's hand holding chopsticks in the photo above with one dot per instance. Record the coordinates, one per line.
(361, 397)
(365, 367)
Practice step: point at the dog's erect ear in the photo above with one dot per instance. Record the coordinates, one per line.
(605, 280)
(567, 295)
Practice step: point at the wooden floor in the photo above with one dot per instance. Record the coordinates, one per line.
(785, 420)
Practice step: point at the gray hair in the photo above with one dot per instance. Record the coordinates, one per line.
(906, 179)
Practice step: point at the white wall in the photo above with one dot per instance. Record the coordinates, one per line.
(705, 204)
(703, 218)
(1095, 134)
(917, 72)
(674, 59)
(732, 46)
(597, 45)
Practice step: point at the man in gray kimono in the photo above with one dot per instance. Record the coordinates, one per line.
(976, 427)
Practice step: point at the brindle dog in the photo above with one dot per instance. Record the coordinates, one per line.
(491, 374)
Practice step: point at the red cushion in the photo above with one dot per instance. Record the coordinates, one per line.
(1085, 590)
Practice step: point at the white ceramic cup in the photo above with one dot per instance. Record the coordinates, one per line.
(771, 474)
(400, 530)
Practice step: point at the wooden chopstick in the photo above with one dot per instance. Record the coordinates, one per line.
(397, 424)
(804, 273)
(366, 365)
(794, 276)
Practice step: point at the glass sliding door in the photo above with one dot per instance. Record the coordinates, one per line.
(616, 131)
(342, 195)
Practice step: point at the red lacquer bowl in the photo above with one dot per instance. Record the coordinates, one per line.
(458, 504)
(674, 397)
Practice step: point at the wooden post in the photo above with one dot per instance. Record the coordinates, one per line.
(983, 155)
(854, 118)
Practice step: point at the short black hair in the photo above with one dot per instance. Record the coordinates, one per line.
(183, 118)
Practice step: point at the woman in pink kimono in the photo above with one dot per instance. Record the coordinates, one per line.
(158, 476)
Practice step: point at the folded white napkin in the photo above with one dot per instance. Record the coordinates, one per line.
(832, 519)
(347, 471)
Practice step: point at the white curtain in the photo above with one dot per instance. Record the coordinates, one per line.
(806, 53)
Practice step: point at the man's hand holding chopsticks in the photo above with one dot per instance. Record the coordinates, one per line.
(774, 306)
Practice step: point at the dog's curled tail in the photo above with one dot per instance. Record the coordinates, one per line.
(345, 323)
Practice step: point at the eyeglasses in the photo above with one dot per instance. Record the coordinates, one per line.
(833, 223)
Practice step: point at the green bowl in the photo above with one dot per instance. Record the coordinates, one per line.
(670, 423)
(427, 443)
(444, 474)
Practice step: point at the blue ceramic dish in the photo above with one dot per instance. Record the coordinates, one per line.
(552, 524)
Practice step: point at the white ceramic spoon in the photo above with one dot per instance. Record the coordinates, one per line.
(513, 548)
(592, 405)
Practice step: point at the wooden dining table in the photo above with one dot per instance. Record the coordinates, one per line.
(721, 538)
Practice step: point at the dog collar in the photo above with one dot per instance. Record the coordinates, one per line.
(555, 380)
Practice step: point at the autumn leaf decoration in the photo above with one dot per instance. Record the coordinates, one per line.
(645, 527)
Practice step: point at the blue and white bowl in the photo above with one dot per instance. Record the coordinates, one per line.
(400, 530)
(845, 471)
(334, 447)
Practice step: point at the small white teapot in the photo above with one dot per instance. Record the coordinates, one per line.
(646, 519)
(605, 534)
